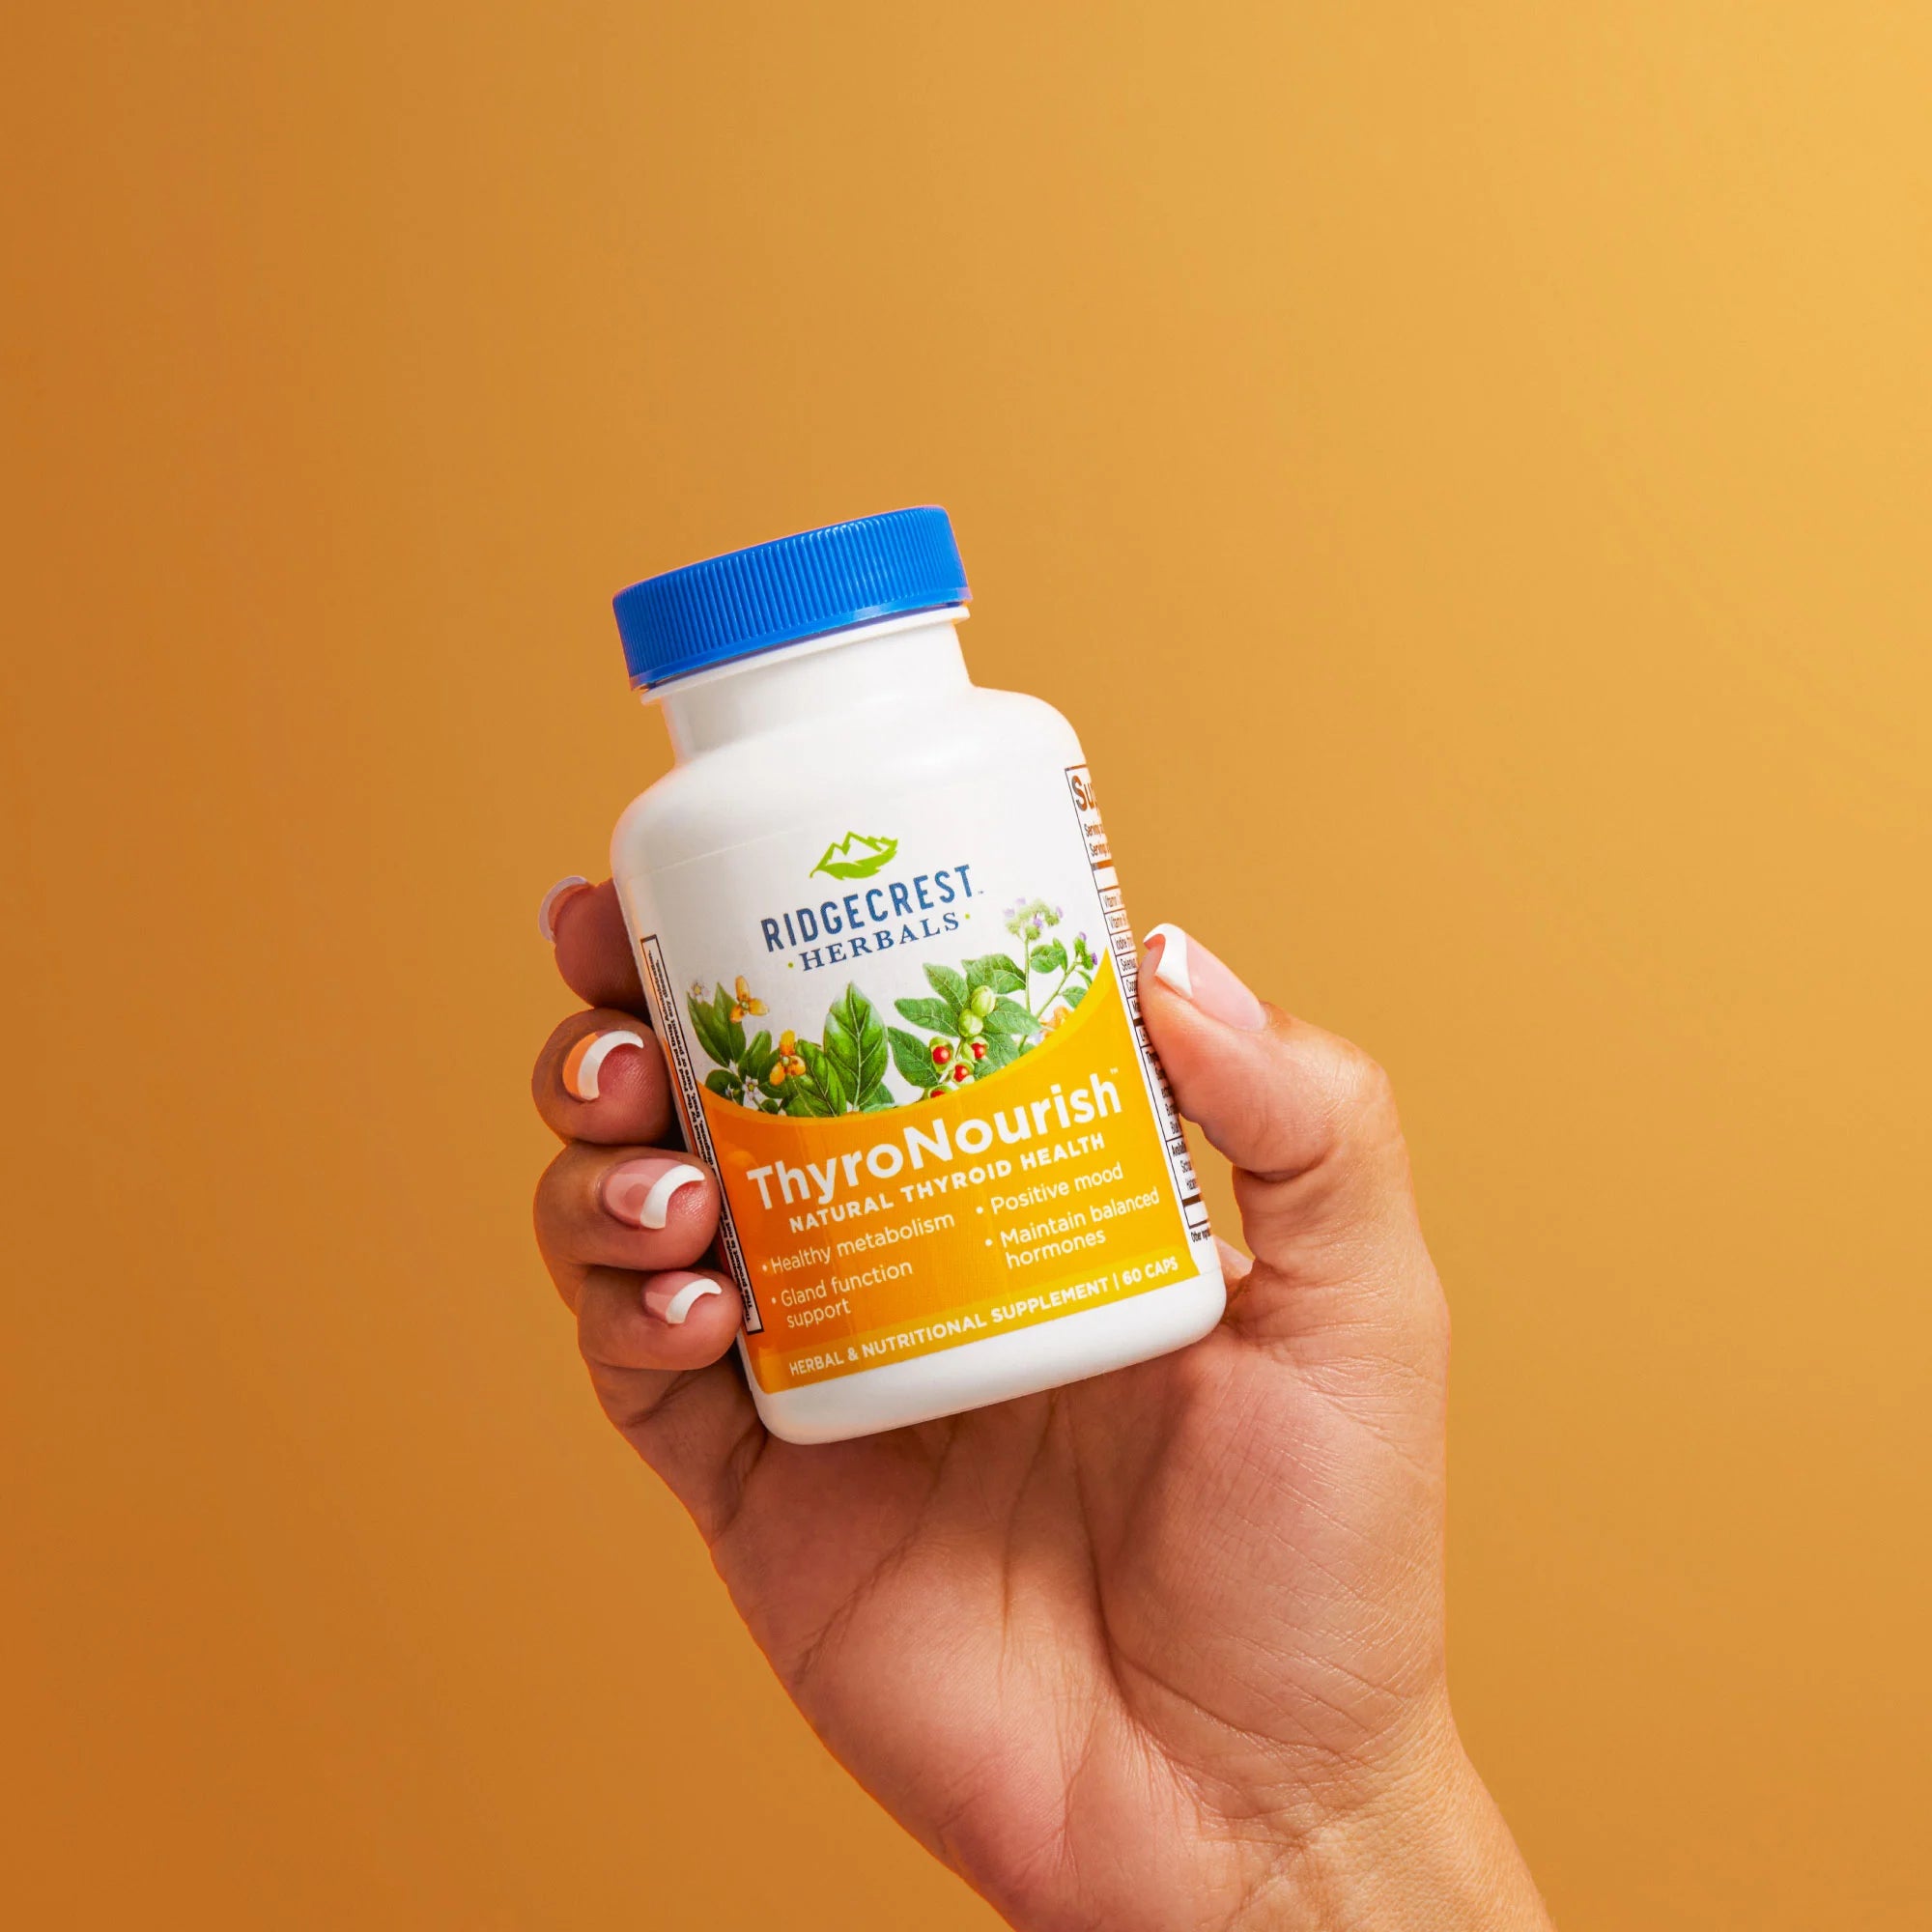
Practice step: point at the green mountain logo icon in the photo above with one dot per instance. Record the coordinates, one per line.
(856, 857)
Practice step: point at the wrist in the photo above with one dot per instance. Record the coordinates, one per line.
(1427, 1852)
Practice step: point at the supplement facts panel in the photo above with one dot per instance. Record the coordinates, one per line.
(1126, 968)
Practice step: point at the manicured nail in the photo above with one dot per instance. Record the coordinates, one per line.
(581, 1063)
(639, 1191)
(1190, 970)
(554, 898)
(672, 1296)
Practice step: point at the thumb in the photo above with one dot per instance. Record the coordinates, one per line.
(1321, 1171)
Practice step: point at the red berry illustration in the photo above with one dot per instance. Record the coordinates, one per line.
(979, 1049)
(941, 1053)
(963, 1072)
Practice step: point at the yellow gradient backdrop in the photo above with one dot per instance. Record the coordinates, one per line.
(1467, 470)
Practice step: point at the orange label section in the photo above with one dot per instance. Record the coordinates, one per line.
(1032, 1193)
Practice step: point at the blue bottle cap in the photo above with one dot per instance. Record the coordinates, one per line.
(779, 593)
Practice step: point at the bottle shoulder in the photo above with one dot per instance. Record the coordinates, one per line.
(764, 781)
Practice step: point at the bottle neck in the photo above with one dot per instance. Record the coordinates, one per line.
(899, 661)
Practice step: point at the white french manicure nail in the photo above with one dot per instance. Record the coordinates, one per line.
(639, 1192)
(656, 1204)
(673, 1306)
(551, 900)
(581, 1063)
(1171, 969)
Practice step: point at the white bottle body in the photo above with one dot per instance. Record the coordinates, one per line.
(981, 795)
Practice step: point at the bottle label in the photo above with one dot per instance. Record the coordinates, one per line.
(912, 1052)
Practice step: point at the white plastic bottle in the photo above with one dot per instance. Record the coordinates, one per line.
(879, 928)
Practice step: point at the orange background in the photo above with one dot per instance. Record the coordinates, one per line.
(1465, 470)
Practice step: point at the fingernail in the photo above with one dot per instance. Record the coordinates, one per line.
(639, 1191)
(672, 1296)
(554, 898)
(1190, 970)
(581, 1063)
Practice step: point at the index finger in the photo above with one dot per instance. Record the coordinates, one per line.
(593, 948)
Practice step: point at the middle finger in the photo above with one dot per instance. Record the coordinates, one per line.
(636, 1207)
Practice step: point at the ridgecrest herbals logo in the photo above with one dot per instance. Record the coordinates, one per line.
(871, 919)
(839, 861)
(876, 918)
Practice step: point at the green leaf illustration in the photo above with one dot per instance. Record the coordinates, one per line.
(877, 1100)
(733, 1031)
(1010, 1018)
(948, 985)
(913, 1056)
(823, 1074)
(711, 1037)
(935, 1016)
(721, 1082)
(757, 1059)
(1050, 958)
(1076, 992)
(803, 1101)
(1002, 1050)
(994, 970)
(855, 1042)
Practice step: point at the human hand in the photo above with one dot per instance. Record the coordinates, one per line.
(1159, 1650)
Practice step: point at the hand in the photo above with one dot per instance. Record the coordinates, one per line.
(1160, 1650)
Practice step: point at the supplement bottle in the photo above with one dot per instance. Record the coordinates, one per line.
(879, 928)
